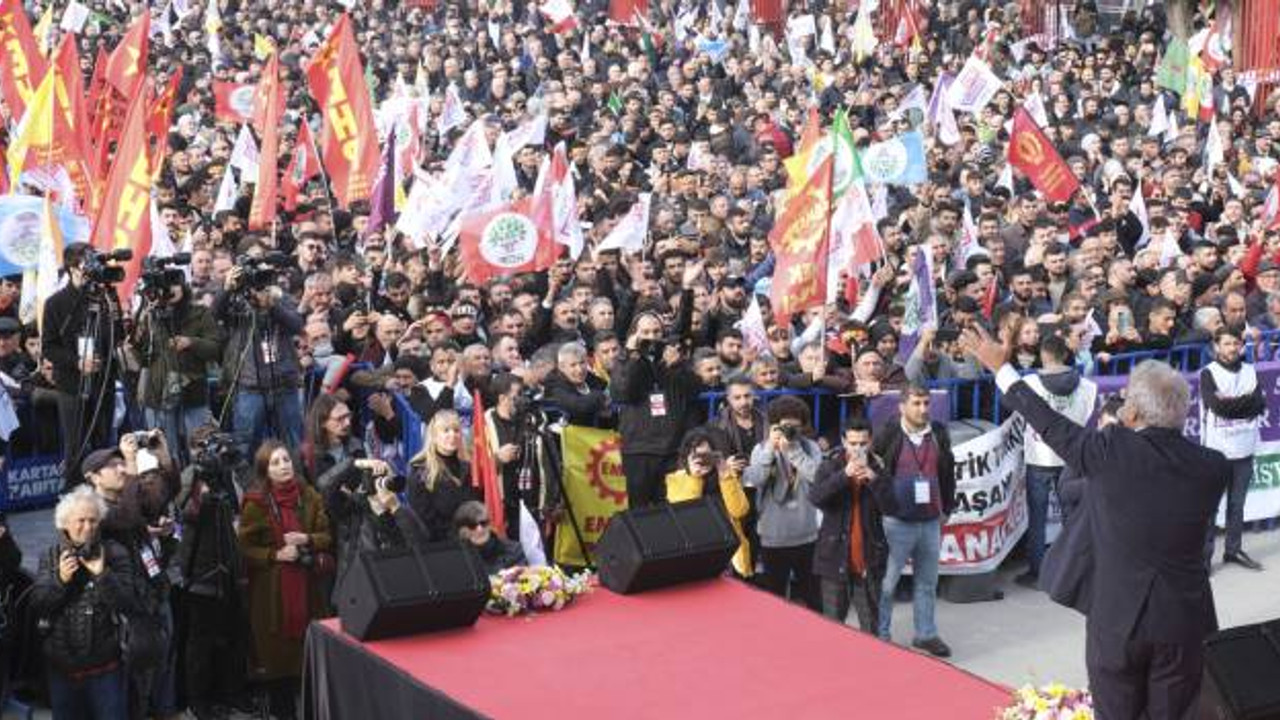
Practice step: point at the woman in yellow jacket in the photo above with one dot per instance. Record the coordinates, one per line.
(704, 473)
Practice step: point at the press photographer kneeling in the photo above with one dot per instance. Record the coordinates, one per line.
(378, 519)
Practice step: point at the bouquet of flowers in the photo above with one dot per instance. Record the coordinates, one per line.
(1051, 702)
(524, 589)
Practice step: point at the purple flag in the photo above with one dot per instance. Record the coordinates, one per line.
(382, 202)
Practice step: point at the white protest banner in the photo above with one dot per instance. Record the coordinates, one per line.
(991, 506)
(973, 88)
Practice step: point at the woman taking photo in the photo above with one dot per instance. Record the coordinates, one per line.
(705, 473)
(441, 477)
(284, 537)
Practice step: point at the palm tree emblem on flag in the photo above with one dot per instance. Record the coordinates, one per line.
(509, 240)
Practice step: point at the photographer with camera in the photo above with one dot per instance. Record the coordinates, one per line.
(260, 363)
(213, 616)
(84, 587)
(515, 437)
(705, 472)
(655, 385)
(79, 335)
(782, 468)
(175, 339)
(379, 520)
(137, 481)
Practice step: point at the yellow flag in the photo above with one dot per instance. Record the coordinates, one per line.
(36, 128)
(594, 487)
(44, 31)
(262, 46)
(1191, 98)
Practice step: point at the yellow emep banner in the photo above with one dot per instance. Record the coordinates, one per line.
(594, 487)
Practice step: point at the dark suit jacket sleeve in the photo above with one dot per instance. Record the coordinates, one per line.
(1085, 450)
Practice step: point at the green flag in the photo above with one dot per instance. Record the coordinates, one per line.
(615, 103)
(1172, 72)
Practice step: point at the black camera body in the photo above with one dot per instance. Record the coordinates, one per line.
(213, 460)
(790, 432)
(101, 269)
(260, 272)
(160, 274)
(88, 551)
(148, 439)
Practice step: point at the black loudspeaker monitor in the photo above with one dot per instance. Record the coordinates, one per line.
(1242, 673)
(663, 545)
(389, 593)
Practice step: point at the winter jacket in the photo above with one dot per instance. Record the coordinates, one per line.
(191, 365)
(635, 382)
(833, 494)
(787, 518)
(80, 619)
(589, 409)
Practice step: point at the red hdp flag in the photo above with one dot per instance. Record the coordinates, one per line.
(268, 110)
(159, 119)
(1032, 153)
(624, 12)
(21, 64)
(509, 239)
(349, 141)
(127, 65)
(124, 219)
(233, 102)
(303, 165)
(800, 241)
(97, 83)
(484, 469)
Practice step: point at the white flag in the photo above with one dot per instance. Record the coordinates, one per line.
(452, 114)
(1214, 152)
(1138, 206)
(1159, 118)
(631, 231)
(227, 192)
(74, 18)
(161, 241)
(1035, 106)
(974, 87)
(244, 154)
(754, 335)
(1006, 178)
(531, 539)
(8, 417)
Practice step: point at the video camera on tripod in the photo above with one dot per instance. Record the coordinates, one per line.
(259, 273)
(161, 273)
(214, 460)
(102, 269)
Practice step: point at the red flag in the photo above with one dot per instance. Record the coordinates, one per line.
(303, 165)
(484, 469)
(1032, 153)
(268, 110)
(989, 299)
(159, 119)
(510, 239)
(128, 62)
(624, 12)
(21, 64)
(767, 12)
(349, 140)
(800, 241)
(233, 102)
(97, 83)
(124, 219)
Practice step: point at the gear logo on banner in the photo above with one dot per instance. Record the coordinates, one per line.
(604, 470)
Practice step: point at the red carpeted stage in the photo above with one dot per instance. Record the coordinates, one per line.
(716, 649)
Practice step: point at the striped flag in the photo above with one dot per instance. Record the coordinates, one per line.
(484, 469)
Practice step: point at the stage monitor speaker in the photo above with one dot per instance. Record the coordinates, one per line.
(1242, 673)
(389, 593)
(661, 545)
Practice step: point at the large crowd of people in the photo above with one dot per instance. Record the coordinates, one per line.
(297, 394)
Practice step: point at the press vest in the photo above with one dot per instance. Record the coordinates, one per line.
(1234, 438)
(1076, 407)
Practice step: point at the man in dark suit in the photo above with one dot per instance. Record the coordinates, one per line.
(1154, 494)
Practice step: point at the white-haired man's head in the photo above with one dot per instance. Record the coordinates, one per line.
(1157, 396)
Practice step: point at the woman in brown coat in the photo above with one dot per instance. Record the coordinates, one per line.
(284, 531)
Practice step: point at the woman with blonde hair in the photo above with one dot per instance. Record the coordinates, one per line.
(441, 476)
(284, 537)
